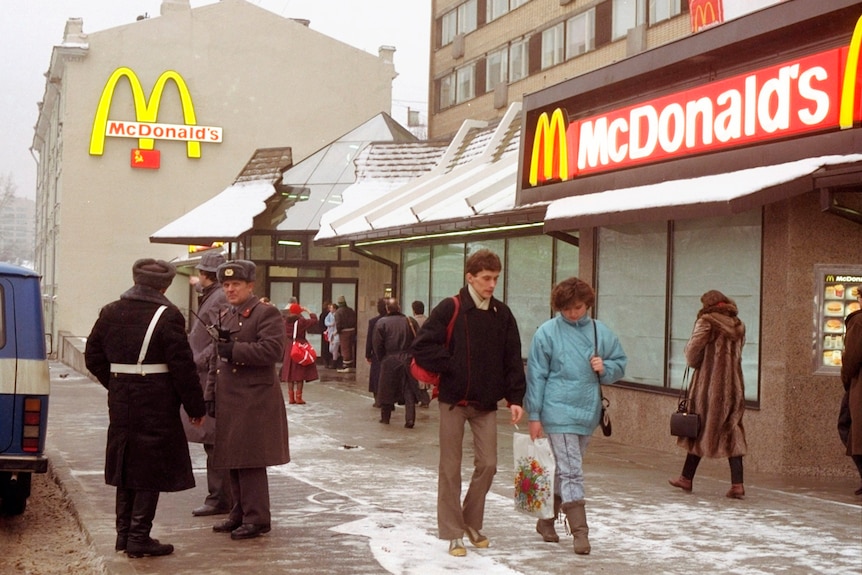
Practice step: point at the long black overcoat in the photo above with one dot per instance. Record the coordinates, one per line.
(146, 447)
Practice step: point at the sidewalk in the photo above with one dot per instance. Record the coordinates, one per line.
(360, 497)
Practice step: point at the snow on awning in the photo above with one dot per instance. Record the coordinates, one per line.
(706, 196)
(223, 218)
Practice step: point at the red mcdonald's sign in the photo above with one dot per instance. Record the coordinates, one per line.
(705, 13)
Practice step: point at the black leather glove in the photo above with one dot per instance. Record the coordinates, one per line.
(210, 408)
(225, 350)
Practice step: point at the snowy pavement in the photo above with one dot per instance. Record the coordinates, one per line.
(360, 497)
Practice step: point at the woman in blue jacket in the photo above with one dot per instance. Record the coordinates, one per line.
(570, 356)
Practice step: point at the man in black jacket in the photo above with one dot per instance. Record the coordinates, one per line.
(138, 350)
(481, 365)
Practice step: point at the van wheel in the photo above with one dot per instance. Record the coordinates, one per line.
(14, 493)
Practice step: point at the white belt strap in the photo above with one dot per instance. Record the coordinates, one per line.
(139, 368)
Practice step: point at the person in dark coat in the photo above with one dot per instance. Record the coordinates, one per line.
(850, 412)
(292, 372)
(391, 341)
(345, 325)
(370, 357)
(211, 302)
(138, 350)
(481, 365)
(717, 391)
(251, 430)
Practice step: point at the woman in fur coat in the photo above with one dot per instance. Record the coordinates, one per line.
(717, 391)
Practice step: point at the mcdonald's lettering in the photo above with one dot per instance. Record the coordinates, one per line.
(705, 13)
(146, 128)
(811, 93)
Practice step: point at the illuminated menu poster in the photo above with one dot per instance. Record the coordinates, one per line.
(835, 300)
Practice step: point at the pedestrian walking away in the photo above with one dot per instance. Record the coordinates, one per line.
(248, 402)
(571, 356)
(393, 335)
(345, 325)
(481, 366)
(370, 357)
(717, 391)
(139, 351)
(211, 302)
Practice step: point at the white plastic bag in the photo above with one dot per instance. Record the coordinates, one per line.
(534, 476)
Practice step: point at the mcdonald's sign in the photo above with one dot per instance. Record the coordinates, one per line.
(705, 13)
(812, 93)
(550, 160)
(145, 128)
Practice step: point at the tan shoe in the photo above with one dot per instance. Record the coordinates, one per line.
(476, 538)
(681, 482)
(456, 548)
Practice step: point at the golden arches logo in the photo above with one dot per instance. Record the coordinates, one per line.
(704, 15)
(848, 86)
(145, 111)
(550, 148)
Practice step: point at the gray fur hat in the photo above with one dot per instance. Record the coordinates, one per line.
(241, 270)
(157, 274)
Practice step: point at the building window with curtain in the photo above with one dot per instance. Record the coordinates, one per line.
(581, 34)
(497, 68)
(466, 83)
(553, 47)
(661, 10)
(518, 60)
(625, 15)
(461, 20)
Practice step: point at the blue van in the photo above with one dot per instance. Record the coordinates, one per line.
(24, 386)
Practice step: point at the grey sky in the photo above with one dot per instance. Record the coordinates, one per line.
(30, 28)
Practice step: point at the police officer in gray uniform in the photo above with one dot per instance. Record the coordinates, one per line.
(246, 399)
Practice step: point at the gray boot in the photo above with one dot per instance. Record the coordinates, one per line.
(576, 515)
(545, 527)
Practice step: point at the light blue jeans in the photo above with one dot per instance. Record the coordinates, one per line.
(569, 449)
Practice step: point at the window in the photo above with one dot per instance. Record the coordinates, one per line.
(448, 27)
(530, 266)
(625, 15)
(467, 17)
(552, 46)
(668, 291)
(497, 71)
(466, 83)
(447, 91)
(518, 60)
(581, 34)
(660, 10)
(461, 20)
(497, 8)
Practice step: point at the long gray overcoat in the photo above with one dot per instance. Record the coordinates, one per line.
(146, 447)
(212, 302)
(251, 420)
(717, 392)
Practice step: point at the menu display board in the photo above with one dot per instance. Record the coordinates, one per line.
(835, 299)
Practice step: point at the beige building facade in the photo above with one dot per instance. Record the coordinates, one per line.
(244, 77)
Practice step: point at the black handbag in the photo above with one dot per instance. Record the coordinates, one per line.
(682, 422)
(605, 421)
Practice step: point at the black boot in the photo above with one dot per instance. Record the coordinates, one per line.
(124, 501)
(140, 543)
(385, 414)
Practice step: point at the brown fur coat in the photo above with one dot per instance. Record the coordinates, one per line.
(717, 392)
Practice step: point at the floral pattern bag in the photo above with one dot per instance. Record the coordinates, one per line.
(534, 476)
